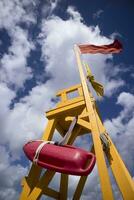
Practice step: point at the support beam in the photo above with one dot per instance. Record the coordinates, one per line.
(63, 187)
(68, 90)
(80, 187)
(38, 189)
(60, 130)
(120, 172)
(49, 131)
(84, 124)
(51, 193)
(62, 110)
(35, 171)
(102, 168)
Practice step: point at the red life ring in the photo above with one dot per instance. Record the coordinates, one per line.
(64, 159)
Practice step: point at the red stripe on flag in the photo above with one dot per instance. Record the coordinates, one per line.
(115, 47)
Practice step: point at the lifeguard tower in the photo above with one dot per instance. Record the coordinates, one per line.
(36, 183)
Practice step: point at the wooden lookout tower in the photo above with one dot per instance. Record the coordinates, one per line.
(36, 183)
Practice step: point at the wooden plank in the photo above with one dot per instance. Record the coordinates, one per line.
(35, 171)
(68, 102)
(63, 97)
(61, 131)
(43, 182)
(51, 193)
(63, 187)
(67, 90)
(49, 131)
(102, 168)
(30, 181)
(80, 91)
(120, 172)
(80, 187)
(84, 124)
(75, 133)
(68, 108)
(81, 183)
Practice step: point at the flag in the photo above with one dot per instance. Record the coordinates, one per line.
(114, 47)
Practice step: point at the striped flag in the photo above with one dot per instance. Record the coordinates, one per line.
(115, 47)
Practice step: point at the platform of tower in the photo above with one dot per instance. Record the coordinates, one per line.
(83, 106)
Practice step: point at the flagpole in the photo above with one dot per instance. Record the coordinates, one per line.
(102, 168)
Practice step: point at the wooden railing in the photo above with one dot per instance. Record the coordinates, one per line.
(63, 94)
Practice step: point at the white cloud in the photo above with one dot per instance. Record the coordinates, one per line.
(13, 12)
(97, 14)
(113, 86)
(26, 120)
(74, 14)
(6, 96)
(115, 35)
(14, 70)
(17, 125)
(58, 38)
(121, 128)
(49, 7)
(126, 100)
(10, 176)
(53, 4)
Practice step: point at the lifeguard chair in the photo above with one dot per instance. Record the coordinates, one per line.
(88, 122)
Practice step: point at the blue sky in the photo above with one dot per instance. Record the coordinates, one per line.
(37, 59)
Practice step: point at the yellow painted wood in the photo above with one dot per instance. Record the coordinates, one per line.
(49, 131)
(85, 124)
(63, 187)
(75, 133)
(47, 177)
(70, 89)
(69, 118)
(64, 178)
(61, 131)
(38, 189)
(81, 183)
(80, 91)
(69, 102)
(69, 108)
(30, 181)
(84, 116)
(80, 187)
(63, 97)
(102, 168)
(121, 174)
(88, 117)
(35, 171)
(51, 193)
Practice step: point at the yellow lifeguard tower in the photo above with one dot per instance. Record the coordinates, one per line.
(88, 122)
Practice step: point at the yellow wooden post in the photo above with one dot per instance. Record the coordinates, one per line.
(31, 180)
(49, 131)
(63, 187)
(102, 168)
(79, 188)
(120, 172)
(38, 189)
